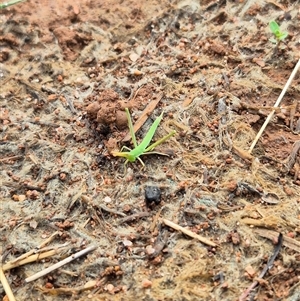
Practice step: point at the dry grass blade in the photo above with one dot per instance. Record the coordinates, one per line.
(133, 217)
(288, 83)
(264, 271)
(60, 264)
(6, 286)
(13, 264)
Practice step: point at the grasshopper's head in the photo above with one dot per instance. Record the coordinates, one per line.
(125, 155)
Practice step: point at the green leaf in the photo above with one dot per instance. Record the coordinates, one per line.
(282, 35)
(274, 27)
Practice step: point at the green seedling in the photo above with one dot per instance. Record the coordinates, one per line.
(6, 4)
(142, 149)
(279, 35)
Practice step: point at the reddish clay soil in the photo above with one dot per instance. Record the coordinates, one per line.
(68, 70)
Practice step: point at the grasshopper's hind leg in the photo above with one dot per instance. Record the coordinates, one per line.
(153, 145)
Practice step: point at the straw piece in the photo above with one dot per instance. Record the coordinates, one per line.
(60, 264)
(6, 286)
(13, 264)
(275, 106)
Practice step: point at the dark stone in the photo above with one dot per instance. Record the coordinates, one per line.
(152, 194)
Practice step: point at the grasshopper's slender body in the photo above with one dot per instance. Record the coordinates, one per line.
(142, 148)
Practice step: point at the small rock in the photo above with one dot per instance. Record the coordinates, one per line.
(150, 250)
(288, 190)
(127, 243)
(152, 194)
(110, 288)
(48, 285)
(250, 271)
(291, 234)
(19, 197)
(235, 238)
(134, 57)
(76, 9)
(52, 97)
(146, 283)
(107, 199)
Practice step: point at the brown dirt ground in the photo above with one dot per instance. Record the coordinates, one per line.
(67, 71)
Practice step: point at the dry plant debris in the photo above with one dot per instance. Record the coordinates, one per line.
(68, 70)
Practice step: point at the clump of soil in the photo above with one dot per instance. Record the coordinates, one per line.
(108, 109)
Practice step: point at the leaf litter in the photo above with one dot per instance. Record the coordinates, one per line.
(210, 67)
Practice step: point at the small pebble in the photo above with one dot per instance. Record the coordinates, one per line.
(152, 194)
(109, 287)
(150, 250)
(107, 199)
(146, 283)
(127, 243)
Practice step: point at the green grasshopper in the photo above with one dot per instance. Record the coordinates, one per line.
(6, 4)
(142, 148)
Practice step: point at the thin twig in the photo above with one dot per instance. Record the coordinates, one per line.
(6, 286)
(92, 284)
(133, 217)
(293, 156)
(105, 208)
(60, 264)
(275, 106)
(11, 158)
(189, 233)
(264, 271)
(155, 220)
